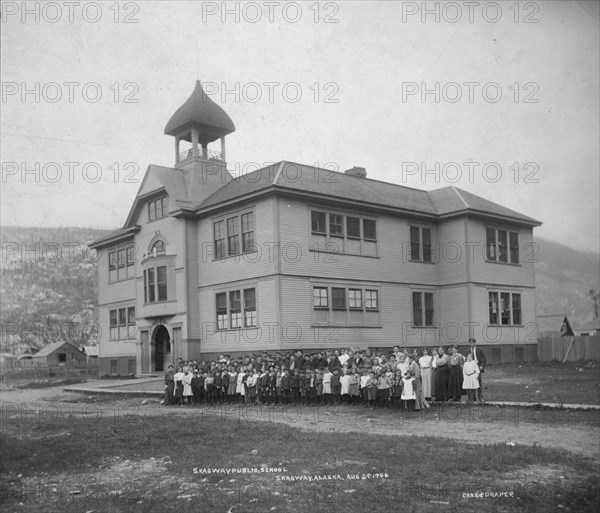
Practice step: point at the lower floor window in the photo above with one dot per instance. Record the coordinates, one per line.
(236, 309)
(114, 367)
(423, 308)
(505, 308)
(122, 323)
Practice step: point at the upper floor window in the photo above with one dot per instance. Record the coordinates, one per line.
(227, 235)
(155, 284)
(158, 248)
(505, 308)
(420, 244)
(157, 209)
(237, 312)
(336, 224)
(422, 308)
(502, 246)
(122, 323)
(121, 264)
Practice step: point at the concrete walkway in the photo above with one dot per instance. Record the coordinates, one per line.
(154, 386)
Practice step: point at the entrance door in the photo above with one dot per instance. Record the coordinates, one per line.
(162, 347)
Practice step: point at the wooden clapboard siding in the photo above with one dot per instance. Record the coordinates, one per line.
(486, 334)
(264, 337)
(109, 347)
(391, 264)
(521, 274)
(192, 283)
(453, 314)
(239, 267)
(451, 252)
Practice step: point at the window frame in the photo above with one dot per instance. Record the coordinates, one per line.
(245, 313)
(423, 308)
(502, 246)
(420, 247)
(514, 301)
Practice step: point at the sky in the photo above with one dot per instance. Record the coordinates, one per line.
(499, 99)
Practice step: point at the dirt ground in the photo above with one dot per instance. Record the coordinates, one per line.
(483, 425)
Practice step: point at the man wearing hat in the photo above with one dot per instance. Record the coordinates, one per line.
(480, 360)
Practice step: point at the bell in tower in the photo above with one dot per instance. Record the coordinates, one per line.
(199, 121)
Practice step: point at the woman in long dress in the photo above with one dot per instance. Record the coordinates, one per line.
(426, 374)
(442, 374)
(456, 375)
(178, 384)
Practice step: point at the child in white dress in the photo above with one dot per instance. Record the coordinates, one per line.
(470, 378)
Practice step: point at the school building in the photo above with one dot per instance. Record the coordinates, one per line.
(296, 257)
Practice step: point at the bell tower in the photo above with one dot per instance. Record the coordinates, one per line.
(199, 121)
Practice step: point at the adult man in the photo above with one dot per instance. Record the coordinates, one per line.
(480, 360)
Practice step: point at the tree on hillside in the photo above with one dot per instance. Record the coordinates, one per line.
(595, 297)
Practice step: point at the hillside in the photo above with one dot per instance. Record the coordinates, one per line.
(48, 285)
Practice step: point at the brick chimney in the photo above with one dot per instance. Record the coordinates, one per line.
(359, 172)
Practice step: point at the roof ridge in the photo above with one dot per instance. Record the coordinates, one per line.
(456, 190)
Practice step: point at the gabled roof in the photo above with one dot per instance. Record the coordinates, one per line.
(592, 325)
(552, 325)
(91, 350)
(189, 194)
(50, 348)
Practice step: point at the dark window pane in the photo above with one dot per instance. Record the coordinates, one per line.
(415, 243)
(516, 309)
(428, 308)
(493, 306)
(353, 227)
(426, 244)
(318, 222)
(131, 315)
(113, 318)
(122, 316)
(417, 309)
(161, 278)
(338, 298)
(505, 303)
(369, 229)
(514, 247)
(151, 292)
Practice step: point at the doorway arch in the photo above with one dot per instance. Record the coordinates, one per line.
(161, 345)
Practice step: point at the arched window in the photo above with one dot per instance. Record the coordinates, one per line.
(158, 248)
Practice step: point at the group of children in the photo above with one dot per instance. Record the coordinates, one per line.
(349, 379)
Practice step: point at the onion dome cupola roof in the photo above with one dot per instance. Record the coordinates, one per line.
(201, 112)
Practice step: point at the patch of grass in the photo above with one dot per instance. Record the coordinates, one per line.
(544, 382)
(135, 463)
(49, 383)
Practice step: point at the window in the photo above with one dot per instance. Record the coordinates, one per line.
(249, 307)
(514, 247)
(423, 308)
(219, 234)
(221, 300)
(420, 244)
(247, 233)
(320, 299)
(114, 367)
(505, 308)
(229, 313)
(155, 284)
(122, 323)
(62, 357)
(233, 238)
(158, 248)
(318, 222)
(355, 298)
(369, 229)
(336, 225)
(501, 246)
(121, 263)
(157, 209)
(114, 325)
(131, 367)
(371, 300)
(353, 227)
(161, 278)
(226, 233)
(338, 298)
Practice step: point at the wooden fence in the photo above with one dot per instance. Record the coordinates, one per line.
(573, 348)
